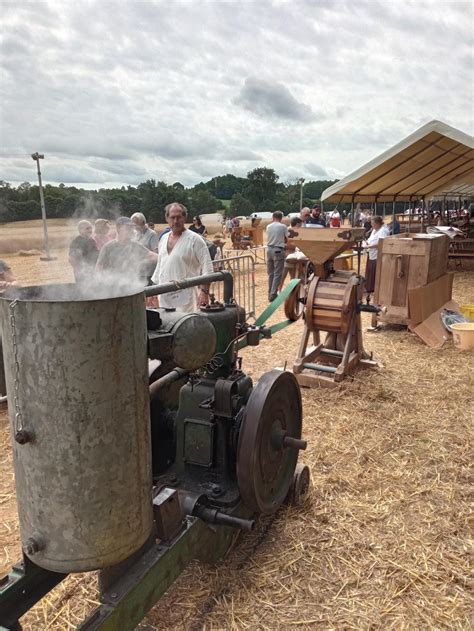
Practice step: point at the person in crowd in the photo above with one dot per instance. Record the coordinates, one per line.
(394, 226)
(277, 236)
(379, 231)
(128, 260)
(366, 219)
(165, 231)
(296, 222)
(229, 224)
(293, 253)
(198, 227)
(335, 219)
(83, 252)
(102, 234)
(7, 279)
(182, 254)
(151, 225)
(219, 243)
(316, 219)
(144, 235)
(304, 215)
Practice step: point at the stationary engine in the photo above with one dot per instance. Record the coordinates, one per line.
(132, 430)
(214, 434)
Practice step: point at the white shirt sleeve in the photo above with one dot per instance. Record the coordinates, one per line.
(156, 274)
(204, 258)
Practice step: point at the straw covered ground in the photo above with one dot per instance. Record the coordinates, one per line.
(383, 540)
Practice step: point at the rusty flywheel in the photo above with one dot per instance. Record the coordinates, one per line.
(269, 440)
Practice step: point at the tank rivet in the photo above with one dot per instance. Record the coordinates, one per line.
(32, 546)
(22, 436)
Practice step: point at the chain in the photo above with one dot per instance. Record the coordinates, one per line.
(18, 414)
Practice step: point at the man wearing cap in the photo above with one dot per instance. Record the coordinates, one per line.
(144, 235)
(83, 252)
(182, 254)
(124, 257)
(316, 220)
(277, 236)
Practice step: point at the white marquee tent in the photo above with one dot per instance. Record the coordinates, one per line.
(435, 161)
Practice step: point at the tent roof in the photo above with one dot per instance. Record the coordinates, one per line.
(435, 160)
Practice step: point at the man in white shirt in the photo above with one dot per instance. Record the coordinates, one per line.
(277, 236)
(181, 254)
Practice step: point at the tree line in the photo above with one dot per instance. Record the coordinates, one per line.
(260, 191)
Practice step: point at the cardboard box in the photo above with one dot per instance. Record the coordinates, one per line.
(423, 301)
(431, 331)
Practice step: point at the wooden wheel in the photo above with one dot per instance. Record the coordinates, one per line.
(294, 304)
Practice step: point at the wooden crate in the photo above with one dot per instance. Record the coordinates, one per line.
(255, 234)
(406, 261)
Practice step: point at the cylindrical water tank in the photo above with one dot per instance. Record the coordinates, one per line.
(76, 370)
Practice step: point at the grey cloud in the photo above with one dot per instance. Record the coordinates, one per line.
(316, 170)
(83, 147)
(267, 98)
(127, 168)
(239, 154)
(124, 89)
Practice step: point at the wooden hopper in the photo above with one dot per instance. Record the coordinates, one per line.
(323, 244)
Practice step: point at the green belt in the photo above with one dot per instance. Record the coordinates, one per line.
(272, 307)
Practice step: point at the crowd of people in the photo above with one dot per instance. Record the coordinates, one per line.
(284, 258)
(132, 251)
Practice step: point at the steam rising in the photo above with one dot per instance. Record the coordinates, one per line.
(99, 289)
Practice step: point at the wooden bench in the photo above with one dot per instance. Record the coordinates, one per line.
(461, 249)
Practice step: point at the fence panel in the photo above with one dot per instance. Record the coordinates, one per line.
(242, 269)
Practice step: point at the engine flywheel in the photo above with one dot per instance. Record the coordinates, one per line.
(269, 440)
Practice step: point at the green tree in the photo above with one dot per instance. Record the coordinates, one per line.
(53, 205)
(314, 189)
(201, 202)
(239, 205)
(261, 188)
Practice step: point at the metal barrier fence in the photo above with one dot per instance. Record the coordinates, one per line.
(258, 252)
(242, 269)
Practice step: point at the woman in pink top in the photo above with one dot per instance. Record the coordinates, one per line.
(102, 233)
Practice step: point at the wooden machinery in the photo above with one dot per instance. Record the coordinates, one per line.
(331, 306)
(407, 262)
(248, 234)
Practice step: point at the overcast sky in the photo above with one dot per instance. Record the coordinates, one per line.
(116, 93)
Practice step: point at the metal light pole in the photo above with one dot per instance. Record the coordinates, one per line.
(301, 182)
(37, 157)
